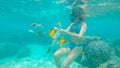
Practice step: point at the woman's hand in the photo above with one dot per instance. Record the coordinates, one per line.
(64, 31)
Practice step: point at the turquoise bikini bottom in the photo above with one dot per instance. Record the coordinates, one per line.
(73, 45)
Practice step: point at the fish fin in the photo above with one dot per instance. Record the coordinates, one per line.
(83, 59)
(48, 51)
(59, 24)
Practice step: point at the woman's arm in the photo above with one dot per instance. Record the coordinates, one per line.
(82, 31)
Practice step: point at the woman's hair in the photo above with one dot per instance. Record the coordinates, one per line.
(77, 11)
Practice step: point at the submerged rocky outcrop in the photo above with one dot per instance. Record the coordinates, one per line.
(8, 49)
(23, 52)
(96, 52)
(116, 46)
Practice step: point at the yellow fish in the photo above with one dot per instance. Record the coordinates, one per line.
(62, 41)
(83, 53)
(83, 56)
(52, 33)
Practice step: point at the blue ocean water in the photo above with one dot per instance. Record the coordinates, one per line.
(21, 49)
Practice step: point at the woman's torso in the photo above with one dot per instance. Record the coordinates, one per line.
(76, 29)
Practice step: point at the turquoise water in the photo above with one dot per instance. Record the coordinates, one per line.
(21, 49)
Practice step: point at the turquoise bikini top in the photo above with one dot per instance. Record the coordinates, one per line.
(75, 28)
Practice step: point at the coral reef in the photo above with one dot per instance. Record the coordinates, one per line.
(96, 52)
(114, 62)
(116, 46)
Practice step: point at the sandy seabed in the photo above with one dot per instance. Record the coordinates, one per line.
(37, 59)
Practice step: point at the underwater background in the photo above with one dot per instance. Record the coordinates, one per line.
(21, 49)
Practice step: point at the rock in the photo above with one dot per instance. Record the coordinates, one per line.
(111, 65)
(23, 52)
(116, 46)
(96, 52)
(8, 49)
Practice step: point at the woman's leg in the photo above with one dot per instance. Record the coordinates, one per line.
(58, 54)
(72, 56)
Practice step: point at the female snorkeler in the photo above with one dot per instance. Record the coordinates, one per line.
(76, 30)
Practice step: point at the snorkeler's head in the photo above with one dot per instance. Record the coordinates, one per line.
(78, 20)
